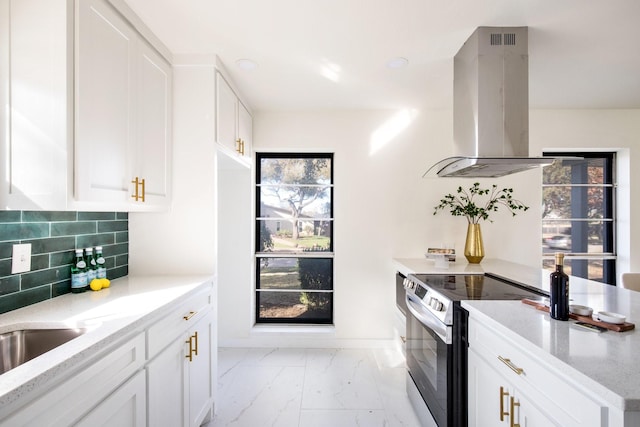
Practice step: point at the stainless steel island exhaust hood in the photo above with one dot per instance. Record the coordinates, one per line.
(490, 107)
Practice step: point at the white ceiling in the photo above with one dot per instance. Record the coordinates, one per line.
(331, 54)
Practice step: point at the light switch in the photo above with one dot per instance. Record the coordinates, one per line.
(21, 258)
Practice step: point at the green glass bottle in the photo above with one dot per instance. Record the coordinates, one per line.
(92, 266)
(79, 281)
(100, 261)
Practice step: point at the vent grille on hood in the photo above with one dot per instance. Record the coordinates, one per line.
(491, 106)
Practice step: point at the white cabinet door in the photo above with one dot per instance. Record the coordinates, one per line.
(153, 125)
(36, 106)
(167, 386)
(226, 113)
(245, 129)
(125, 407)
(123, 113)
(201, 372)
(104, 103)
(234, 124)
(486, 406)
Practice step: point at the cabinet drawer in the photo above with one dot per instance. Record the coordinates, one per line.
(551, 390)
(66, 403)
(168, 327)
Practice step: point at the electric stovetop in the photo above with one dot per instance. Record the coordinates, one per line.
(459, 287)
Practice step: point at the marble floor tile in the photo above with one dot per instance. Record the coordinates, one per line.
(340, 379)
(284, 387)
(261, 396)
(342, 418)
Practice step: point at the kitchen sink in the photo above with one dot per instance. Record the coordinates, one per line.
(20, 346)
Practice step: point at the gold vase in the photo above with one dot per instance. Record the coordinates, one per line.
(473, 247)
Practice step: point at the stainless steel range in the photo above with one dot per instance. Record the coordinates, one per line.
(437, 338)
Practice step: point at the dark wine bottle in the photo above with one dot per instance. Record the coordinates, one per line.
(559, 292)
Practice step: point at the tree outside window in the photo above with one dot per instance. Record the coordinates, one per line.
(294, 242)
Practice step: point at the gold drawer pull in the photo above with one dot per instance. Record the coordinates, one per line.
(512, 423)
(190, 315)
(511, 366)
(503, 394)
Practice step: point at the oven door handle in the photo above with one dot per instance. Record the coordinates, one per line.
(429, 320)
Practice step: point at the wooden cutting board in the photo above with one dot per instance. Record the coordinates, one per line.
(622, 327)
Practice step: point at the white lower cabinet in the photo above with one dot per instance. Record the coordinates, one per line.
(103, 383)
(180, 377)
(162, 376)
(508, 386)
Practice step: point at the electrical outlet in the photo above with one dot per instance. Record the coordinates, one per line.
(21, 258)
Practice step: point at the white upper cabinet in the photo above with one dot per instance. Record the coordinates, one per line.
(35, 87)
(86, 108)
(234, 124)
(122, 113)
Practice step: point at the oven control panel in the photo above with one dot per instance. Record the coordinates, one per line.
(431, 300)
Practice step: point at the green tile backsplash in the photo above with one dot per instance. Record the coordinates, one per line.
(53, 237)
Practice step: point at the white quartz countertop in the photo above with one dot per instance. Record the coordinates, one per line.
(111, 315)
(607, 364)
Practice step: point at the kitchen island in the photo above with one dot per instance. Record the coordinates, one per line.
(131, 327)
(602, 366)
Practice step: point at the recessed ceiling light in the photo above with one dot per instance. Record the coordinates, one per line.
(398, 62)
(246, 64)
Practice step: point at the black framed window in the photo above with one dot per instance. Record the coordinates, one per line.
(294, 238)
(578, 214)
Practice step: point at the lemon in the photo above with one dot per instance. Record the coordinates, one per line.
(96, 284)
(105, 283)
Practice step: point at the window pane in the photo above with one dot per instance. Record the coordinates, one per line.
(575, 202)
(289, 202)
(575, 236)
(298, 289)
(295, 170)
(278, 236)
(560, 171)
(295, 307)
(296, 273)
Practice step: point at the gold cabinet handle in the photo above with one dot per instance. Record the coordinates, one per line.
(190, 315)
(193, 346)
(511, 366)
(242, 144)
(190, 352)
(512, 423)
(195, 338)
(143, 190)
(503, 394)
(137, 194)
(239, 146)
